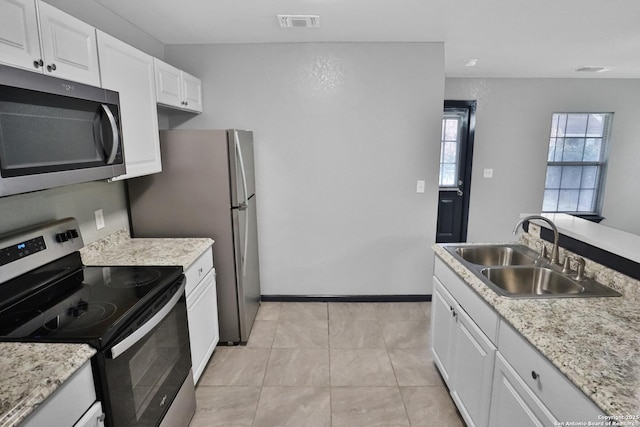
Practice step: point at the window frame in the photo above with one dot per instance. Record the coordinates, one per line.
(601, 164)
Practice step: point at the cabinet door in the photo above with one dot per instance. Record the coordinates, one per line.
(511, 400)
(442, 329)
(168, 84)
(202, 311)
(473, 360)
(130, 72)
(192, 92)
(19, 42)
(68, 46)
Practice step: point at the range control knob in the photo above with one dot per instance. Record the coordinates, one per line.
(72, 234)
(61, 237)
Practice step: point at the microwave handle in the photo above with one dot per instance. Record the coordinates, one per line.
(148, 326)
(114, 132)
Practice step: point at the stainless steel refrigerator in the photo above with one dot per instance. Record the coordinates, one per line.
(207, 189)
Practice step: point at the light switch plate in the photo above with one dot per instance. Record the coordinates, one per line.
(99, 219)
(488, 173)
(420, 186)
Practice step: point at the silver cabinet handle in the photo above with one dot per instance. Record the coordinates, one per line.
(140, 333)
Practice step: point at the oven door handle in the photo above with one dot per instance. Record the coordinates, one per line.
(140, 333)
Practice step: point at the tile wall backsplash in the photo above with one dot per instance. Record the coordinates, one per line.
(627, 286)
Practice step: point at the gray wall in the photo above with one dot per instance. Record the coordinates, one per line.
(512, 132)
(81, 200)
(342, 132)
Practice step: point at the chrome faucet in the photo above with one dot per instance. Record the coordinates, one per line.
(555, 255)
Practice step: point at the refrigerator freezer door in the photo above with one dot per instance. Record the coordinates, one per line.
(247, 265)
(241, 166)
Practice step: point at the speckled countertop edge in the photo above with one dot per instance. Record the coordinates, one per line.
(594, 342)
(120, 249)
(31, 372)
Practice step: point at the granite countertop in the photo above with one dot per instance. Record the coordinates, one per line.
(120, 249)
(31, 372)
(594, 342)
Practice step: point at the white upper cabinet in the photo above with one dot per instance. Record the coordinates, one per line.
(130, 72)
(19, 41)
(69, 46)
(61, 45)
(192, 92)
(177, 89)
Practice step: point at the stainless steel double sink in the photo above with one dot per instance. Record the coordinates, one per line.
(516, 271)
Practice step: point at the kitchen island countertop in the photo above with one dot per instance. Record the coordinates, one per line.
(594, 342)
(31, 372)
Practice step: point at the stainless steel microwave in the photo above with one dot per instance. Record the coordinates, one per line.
(55, 132)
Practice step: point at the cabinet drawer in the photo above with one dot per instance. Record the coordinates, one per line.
(481, 313)
(196, 271)
(565, 401)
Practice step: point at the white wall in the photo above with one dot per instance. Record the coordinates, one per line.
(513, 123)
(342, 132)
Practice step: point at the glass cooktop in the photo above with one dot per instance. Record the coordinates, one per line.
(65, 301)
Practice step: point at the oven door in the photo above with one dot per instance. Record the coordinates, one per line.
(143, 372)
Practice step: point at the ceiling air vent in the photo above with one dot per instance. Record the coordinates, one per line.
(302, 21)
(592, 69)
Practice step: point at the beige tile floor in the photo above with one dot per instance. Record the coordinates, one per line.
(328, 364)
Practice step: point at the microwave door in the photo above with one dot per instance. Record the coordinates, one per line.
(105, 130)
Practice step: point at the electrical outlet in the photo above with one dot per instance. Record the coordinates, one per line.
(488, 173)
(420, 186)
(99, 219)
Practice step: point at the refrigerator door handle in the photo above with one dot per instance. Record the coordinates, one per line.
(236, 142)
(243, 205)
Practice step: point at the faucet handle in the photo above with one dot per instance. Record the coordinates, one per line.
(566, 268)
(543, 253)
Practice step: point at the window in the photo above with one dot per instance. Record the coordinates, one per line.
(576, 163)
(450, 148)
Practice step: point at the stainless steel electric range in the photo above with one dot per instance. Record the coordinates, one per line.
(135, 317)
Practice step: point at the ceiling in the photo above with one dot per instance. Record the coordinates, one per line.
(509, 38)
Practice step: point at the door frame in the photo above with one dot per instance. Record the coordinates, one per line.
(466, 160)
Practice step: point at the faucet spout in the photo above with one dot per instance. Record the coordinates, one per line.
(555, 255)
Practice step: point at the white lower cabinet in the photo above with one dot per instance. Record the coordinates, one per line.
(442, 331)
(473, 358)
(69, 405)
(511, 400)
(202, 312)
(94, 417)
(464, 355)
(495, 376)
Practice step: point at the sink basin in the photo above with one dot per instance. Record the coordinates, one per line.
(531, 281)
(541, 282)
(495, 255)
(515, 271)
